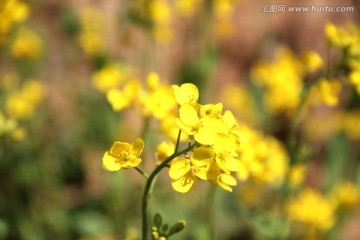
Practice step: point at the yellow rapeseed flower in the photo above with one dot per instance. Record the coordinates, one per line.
(183, 171)
(110, 77)
(91, 36)
(7, 125)
(311, 209)
(187, 8)
(328, 91)
(203, 129)
(164, 150)
(263, 157)
(355, 79)
(312, 61)
(226, 156)
(12, 12)
(162, 17)
(339, 36)
(350, 123)
(345, 196)
(297, 174)
(123, 155)
(27, 45)
(187, 93)
(22, 103)
(282, 80)
(159, 100)
(123, 98)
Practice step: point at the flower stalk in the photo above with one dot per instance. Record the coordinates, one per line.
(149, 186)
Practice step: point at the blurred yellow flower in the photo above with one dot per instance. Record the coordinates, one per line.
(12, 12)
(339, 36)
(168, 127)
(27, 45)
(345, 197)
(312, 209)
(312, 61)
(328, 91)
(7, 125)
(187, 8)
(239, 100)
(355, 79)
(223, 11)
(162, 16)
(264, 158)
(282, 80)
(123, 98)
(91, 36)
(297, 174)
(164, 150)
(350, 123)
(110, 77)
(19, 134)
(159, 100)
(21, 104)
(123, 155)
(92, 42)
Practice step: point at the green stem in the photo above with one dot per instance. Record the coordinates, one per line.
(178, 141)
(142, 172)
(292, 138)
(149, 186)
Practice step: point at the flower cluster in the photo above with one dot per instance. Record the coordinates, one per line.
(218, 136)
(91, 35)
(282, 79)
(347, 38)
(319, 212)
(302, 209)
(20, 103)
(11, 13)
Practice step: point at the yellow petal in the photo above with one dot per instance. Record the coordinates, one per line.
(202, 153)
(224, 186)
(138, 146)
(188, 115)
(220, 164)
(232, 164)
(153, 81)
(227, 179)
(205, 136)
(179, 168)
(225, 142)
(109, 163)
(184, 183)
(213, 172)
(117, 99)
(229, 120)
(187, 129)
(187, 93)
